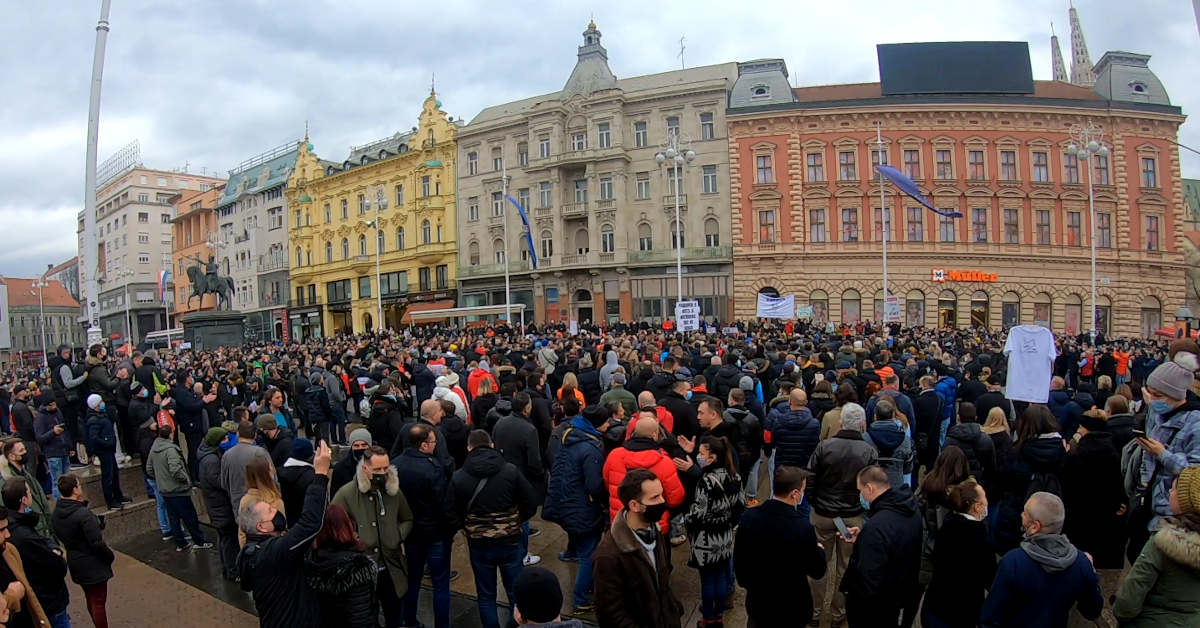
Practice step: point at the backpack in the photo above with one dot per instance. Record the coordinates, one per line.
(247, 560)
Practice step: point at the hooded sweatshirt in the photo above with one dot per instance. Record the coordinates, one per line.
(1038, 584)
(606, 371)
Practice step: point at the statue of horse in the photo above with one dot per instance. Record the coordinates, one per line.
(203, 284)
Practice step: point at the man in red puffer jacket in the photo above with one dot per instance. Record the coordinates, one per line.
(642, 452)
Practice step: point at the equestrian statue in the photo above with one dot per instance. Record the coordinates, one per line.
(205, 280)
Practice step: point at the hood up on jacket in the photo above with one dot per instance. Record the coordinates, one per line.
(1052, 551)
(1179, 544)
(886, 435)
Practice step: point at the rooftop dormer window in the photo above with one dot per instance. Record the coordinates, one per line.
(759, 92)
(1137, 87)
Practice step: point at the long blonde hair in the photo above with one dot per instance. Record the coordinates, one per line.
(997, 421)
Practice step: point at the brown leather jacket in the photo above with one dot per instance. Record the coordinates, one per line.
(630, 592)
(13, 559)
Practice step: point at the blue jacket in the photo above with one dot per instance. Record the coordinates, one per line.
(100, 433)
(794, 434)
(947, 389)
(1066, 412)
(895, 449)
(899, 399)
(576, 499)
(1179, 432)
(1040, 592)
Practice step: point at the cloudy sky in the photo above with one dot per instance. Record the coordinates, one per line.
(208, 83)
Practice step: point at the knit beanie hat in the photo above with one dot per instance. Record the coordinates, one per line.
(540, 595)
(214, 436)
(596, 415)
(1170, 379)
(1187, 491)
(361, 434)
(94, 401)
(302, 449)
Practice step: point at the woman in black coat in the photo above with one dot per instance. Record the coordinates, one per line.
(1094, 493)
(341, 574)
(1035, 464)
(964, 562)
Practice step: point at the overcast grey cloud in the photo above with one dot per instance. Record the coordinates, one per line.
(208, 83)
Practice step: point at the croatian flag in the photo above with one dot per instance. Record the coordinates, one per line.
(907, 186)
(163, 275)
(528, 230)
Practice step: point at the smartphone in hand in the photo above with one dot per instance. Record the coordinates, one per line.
(1138, 433)
(841, 527)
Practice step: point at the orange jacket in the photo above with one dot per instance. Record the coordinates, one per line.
(477, 376)
(665, 419)
(1122, 362)
(578, 397)
(643, 455)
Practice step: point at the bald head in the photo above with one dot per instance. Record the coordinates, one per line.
(646, 427)
(797, 399)
(431, 410)
(646, 399)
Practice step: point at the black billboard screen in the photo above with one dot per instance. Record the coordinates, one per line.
(956, 67)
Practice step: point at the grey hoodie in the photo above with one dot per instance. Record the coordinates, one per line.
(1052, 551)
(606, 371)
(547, 358)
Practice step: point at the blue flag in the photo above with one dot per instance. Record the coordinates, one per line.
(907, 186)
(528, 230)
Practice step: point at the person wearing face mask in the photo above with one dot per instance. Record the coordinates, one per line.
(632, 568)
(1038, 584)
(384, 520)
(881, 578)
(101, 441)
(272, 563)
(89, 559)
(216, 499)
(14, 465)
(426, 486)
(345, 469)
(710, 523)
(964, 562)
(45, 565)
(678, 403)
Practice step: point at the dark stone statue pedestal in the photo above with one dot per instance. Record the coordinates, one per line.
(209, 330)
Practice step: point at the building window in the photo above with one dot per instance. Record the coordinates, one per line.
(645, 241)
(523, 198)
(144, 217)
(581, 190)
(816, 225)
(1104, 230)
(362, 244)
(426, 232)
(547, 245)
(943, 168)
(606, 188)
(678, 235)
(979, 224)
(765, 173)
(672, 126)
(846, 170)
(916, 224)
(364, 287)
(144, 238)
(849, 225)
(329, 252)
(975, 169)
(472, 163)
(1152, 243)
(816, 168)
(299, 257)
(544, 146)
(1043, 227)
(880, 227)
(608, 240)
(473, 209)
(946, 228)
(712, 233)
(497, 204)
(1008, 165)
(345, 248)
(1041, 167)
(345, 210)
(380, 241)
(673, 180)
(707, 129)
(1070, 168)
(424, 186)
(143, 258)
(497, 160)
(328, 214)
(1074, 229)
(423, 278)
(912, 164)
(399, 238)
(443, 276)
(523, 154)
(545, 199)
(766, 226)
(1149, 173)
(362, 204)
(579, 141)
(604, 135)
(1100, 169)
(639, 134)
(709, 178)
(1012, 230)
(876, 153)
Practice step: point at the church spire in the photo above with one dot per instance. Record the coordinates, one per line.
(1059, 69)
(1082, 73)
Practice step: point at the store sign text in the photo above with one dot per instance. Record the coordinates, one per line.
(941, 275)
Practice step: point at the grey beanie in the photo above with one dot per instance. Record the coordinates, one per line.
(361, 434)
(746, 383)
(1170, 379)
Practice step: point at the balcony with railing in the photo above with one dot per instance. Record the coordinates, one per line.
(574, 259)
(606, 203)
(268, 264)
(669, 200)
(544, 212)
(695, 253)
(304, 302)
(488, 270)
(270, 300)
(496, 220)
(575, 210)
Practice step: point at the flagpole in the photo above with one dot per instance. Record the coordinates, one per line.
(883, 217)
(504, 217)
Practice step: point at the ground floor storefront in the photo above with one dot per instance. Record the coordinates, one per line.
(360, 315)
(608, 295)
(1134, 297)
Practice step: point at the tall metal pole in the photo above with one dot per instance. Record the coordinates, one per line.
(1092, 211)
(883, 217)
(504, 217)
(41, 286)
(378, 255)
(91, 264)
(128, 326)
(678, 235)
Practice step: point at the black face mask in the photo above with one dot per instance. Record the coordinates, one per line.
(654, 512)
(358, 454)
(378, 479)
(279, 522)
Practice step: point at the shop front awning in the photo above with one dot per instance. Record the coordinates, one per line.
(438, 311)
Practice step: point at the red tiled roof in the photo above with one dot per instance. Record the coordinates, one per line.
(22, 293)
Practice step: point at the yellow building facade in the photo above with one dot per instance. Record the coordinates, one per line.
(391, 200)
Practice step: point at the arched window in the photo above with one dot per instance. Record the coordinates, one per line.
(914, 309)
(678, 234)
(473, 253)
(1151, 315)
(498, 247)
(947, 309)
(380, 241)
(328, 252)
(1103, 314)
(328, 215)
(851, 307)
(362, 244)
(1073, 315)
(878, 303)
(1042, 305)
(712, 232)
(426, 232)
(645, 240)
(547, 244)
(819, 300)
(582, 245)
(608, 241)
(399, 238)
(1010, 310)
(583, 296)
(345, 248)
(979, 310)
(299, 257)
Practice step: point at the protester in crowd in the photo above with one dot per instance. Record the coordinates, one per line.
(1160, 589)
(794, 431)
(41, 559)
(926, 419)
(1038, 583)
(235, 460)
(21, 415)
(516, 437)
(216, 499)
(383, 521)
(89, 559)
(169, 472)
(542, 600)
(633, 570)
(294, 476)
(14, 466)
(831, 423)
(677, 402)
(50, 426)
(276, 438)
(427, 490)
(963, 561)
(68, 383)
(1120, 419)
(341, 574)
(1171, 444)
(710, 523)
(1034, 465)
(1093, 491)
(347, 467)
(101, 440)
(997, 429)
(889, 434)
(933, 497)
(261, 487)
(967, 435)
(271, 565)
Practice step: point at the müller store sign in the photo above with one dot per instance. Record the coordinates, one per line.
(941, 275)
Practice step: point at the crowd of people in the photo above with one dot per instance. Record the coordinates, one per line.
(866, 477)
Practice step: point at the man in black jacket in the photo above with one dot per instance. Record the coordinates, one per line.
(993, 398)
(276, 438)
(774, 536)
(518, 441)
(189, 416)
(22, 422)
(926, 419)
(426, 486)
(881, 579)
(216, 499)
(272, 563)
(45, 567)
(969, 437)
(687, 424)
(493, 500)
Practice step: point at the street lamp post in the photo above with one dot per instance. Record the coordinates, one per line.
(678, 150)
(1086, 142)
(381, 204)
(127, 274)
(41, 284)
